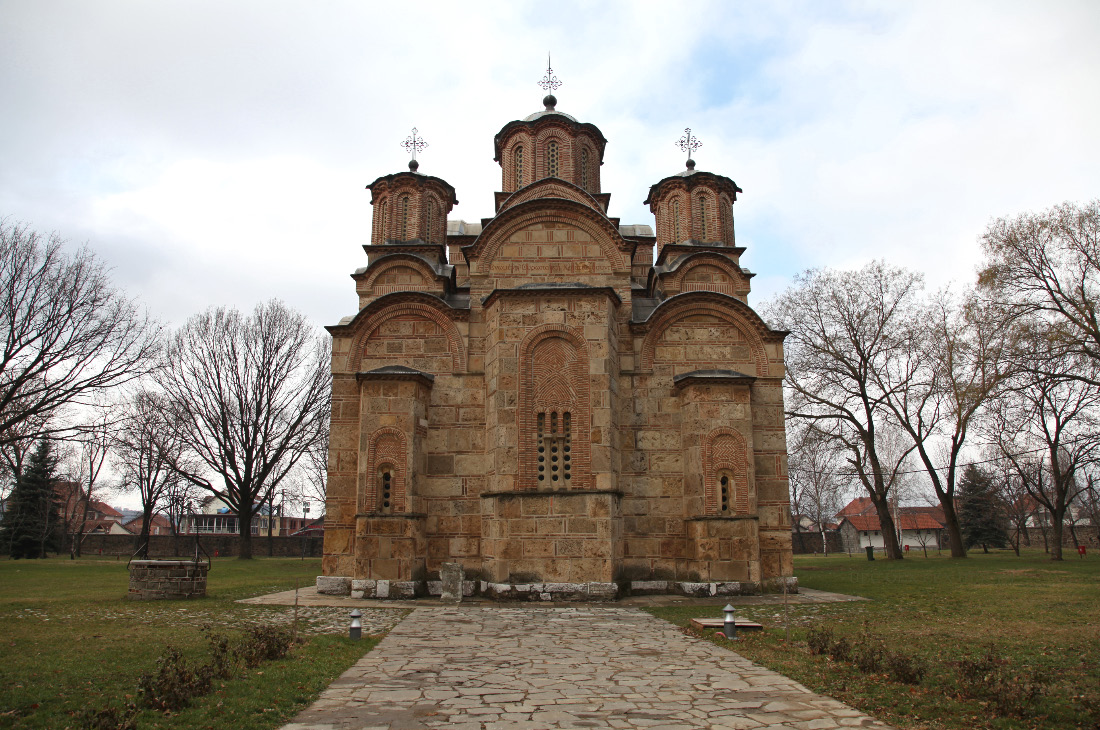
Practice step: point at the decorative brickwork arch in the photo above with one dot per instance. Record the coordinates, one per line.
(565, 153)
(378, 273)
(403, 304)
(691, 304)
(551, 188)
(681, 275)
(481, 253)
(554, 404)
(725, 473)
(387, 471)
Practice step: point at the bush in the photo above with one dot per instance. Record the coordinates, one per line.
(174, 683)
(988, 677)
(108, 718)
(264, 643)
(904, 668)
(819, 639)
(868, 656)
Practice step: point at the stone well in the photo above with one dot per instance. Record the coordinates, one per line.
(155, 580)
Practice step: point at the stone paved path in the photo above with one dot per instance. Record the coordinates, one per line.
(532, 668)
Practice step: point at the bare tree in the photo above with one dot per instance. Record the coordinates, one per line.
(1059, 417)
(845, 327)
(148, 450)
(251, 396)
(93, 443)
(940, 379)
(817, 476)
(1044, 271)
(67, 333)
(179, 501)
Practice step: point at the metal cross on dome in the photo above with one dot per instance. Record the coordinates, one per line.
(549, 82)
(688, 143)
(414, 144)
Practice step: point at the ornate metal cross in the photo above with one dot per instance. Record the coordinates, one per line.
(414, 144)
(688, 143)
(549, 82)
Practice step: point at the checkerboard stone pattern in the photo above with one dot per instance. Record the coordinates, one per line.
(527, 668)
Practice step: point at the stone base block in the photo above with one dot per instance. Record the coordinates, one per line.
(550, 591)
(435, 588)
(333, 585)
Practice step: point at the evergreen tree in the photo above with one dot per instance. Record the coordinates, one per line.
(980, 515)
(31, 523)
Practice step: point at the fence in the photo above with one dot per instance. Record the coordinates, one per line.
(167, 546)
(804, 543)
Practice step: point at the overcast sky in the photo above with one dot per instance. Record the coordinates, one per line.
(216, 153)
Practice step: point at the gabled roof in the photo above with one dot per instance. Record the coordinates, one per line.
(869, 523)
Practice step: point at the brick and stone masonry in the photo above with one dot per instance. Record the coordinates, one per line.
(563, 405)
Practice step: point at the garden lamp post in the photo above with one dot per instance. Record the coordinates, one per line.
(355, 631)
(729, 628)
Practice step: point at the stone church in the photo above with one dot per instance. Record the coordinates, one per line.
(566, 406)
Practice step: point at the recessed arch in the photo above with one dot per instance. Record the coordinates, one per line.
(402, 304)
(720, 306)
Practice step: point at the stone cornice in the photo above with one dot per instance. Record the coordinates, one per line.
(550, 290)
(393, 373)
(432, 300)
(690, 297)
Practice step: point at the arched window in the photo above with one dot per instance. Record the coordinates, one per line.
(385, 488)
(428, 221)
(404, 217)
(554, 444)
(552, 159)
(676, 221)
(384, 206)
(584, 168)
(725, 492)
(702, 218)
(518, 160)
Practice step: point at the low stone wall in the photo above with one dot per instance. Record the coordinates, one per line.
(157, 580)
(166, 546)
(807, 543)
(396, 590)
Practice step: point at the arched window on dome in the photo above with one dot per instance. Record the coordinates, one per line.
(584, 168)
(702, 205)
(383, 209)
(404, 217)
(676, 221)
(552, 159)
(517, 158)
(428, 221)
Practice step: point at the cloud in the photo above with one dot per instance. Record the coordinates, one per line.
(217, 153)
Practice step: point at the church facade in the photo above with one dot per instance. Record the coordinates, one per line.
(564, 405)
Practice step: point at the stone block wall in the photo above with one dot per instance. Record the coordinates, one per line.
(155, 580)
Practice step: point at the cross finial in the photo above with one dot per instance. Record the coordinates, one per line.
(550, 82)
(412, 145)
(689, 144)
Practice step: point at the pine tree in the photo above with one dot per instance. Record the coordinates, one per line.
(980, 515)
(31, 523)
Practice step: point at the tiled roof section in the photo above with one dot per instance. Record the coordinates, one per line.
(105, 509)
(868, 523)
(858, 506)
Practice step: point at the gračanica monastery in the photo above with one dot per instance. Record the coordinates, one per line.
(566, 406)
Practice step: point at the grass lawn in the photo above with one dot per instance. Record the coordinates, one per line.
(69, 640)
(1042, 618)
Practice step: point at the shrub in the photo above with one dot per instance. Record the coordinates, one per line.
(904, 668)
(174, 683)
(841, 649)
(264, 643)
(868, 656)
(108, 718)
(819, 639)
(988, 677)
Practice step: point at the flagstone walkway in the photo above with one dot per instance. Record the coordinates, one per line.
(528, 668)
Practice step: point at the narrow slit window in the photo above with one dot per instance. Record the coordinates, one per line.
(385, 489)
(552, 159)
(724, 493)
(584, 168)
(385, 204)
(676, 221)
(428, 221)
(541, 445)
(519, 167)
(702, 218)
(404, 217)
